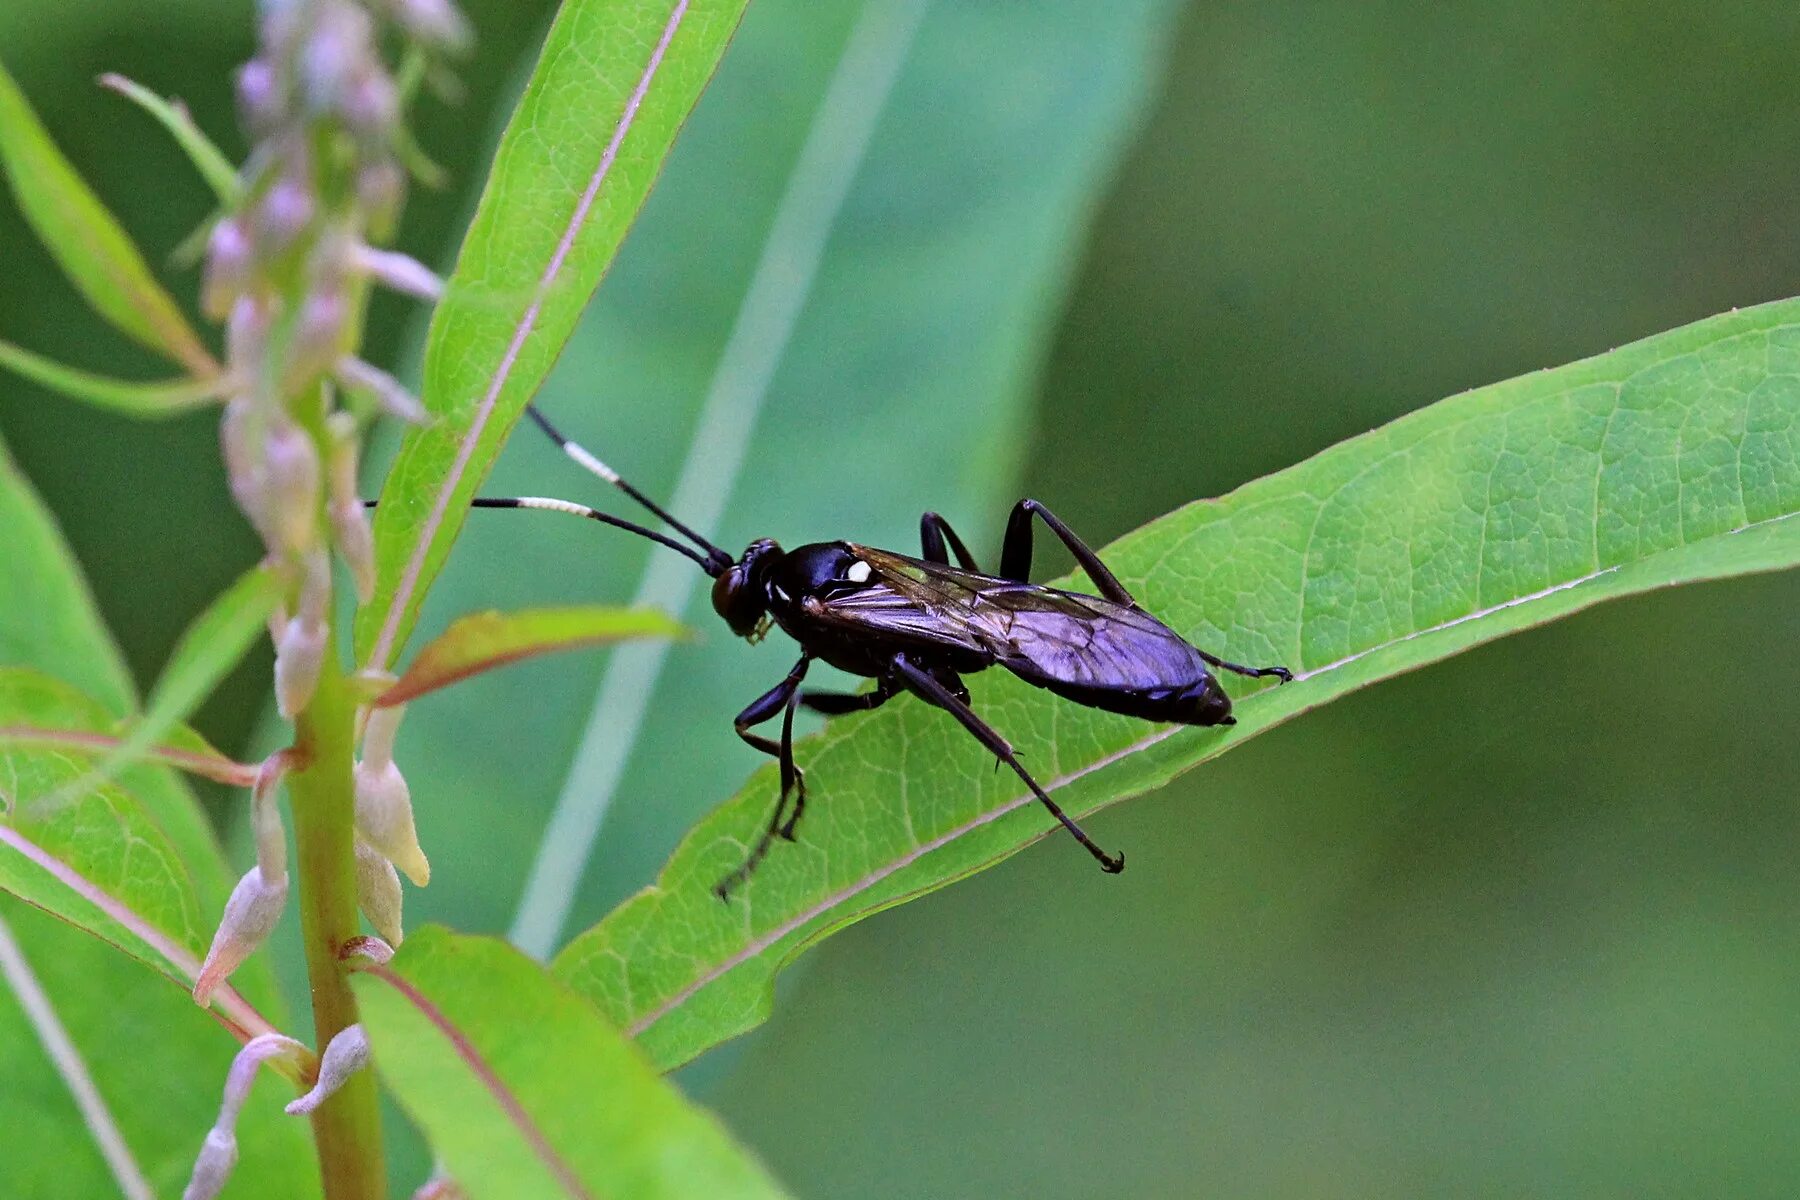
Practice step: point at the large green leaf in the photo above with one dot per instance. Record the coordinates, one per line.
(155, 1058)
(1667, 461)
(903, 384)
(574, 1110)
(94, 251)
(615, 81)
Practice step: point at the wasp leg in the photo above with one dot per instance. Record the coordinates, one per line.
(1281, 673)
(782, 698)
(1015, 554)
(929, 688)
(933, 532)
(836, 704)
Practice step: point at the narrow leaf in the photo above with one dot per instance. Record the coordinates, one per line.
(574, 1110)
(174, 116)
(37, 710)
(48, 619)
(155, 1060)
(166, 398)
(614, 84)
(103, 998)
(1664, 462)
(48, 622)
(210, 647)
(484, 641)
(94, 251)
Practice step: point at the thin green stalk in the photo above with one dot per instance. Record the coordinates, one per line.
(346, 1128)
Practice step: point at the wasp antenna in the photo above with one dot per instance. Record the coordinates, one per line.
(707, 563)
(589, 462)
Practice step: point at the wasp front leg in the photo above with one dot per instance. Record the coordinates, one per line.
(783, 698)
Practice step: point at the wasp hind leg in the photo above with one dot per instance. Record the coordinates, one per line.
(1281, 673)
(933, 690)
(934, 531)
(1015, 553)
(783, 698)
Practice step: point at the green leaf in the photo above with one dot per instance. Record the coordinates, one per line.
(94, 252)
(153, 1059)
(98, 830)
(213, 643)
(80, 725)
(174, 117)
(166, 398)
(1668, 461)
(48, 623)
(156, 1058)
(483, 641)
(572, 1110)
(48, 619)
(614, 83)
(922, 327)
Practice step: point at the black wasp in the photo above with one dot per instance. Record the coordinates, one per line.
(919, 625)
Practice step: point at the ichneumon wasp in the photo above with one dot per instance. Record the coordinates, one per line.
(918, 625)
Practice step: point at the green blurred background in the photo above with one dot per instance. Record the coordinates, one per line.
(1522, 924)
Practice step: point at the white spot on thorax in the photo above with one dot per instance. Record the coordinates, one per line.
(859, 572)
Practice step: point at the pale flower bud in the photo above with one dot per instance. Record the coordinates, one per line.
(379, 732)
(356, 542)
(384, 813)
(381, 187)
(245, 471)
(292, 466)
(219, 1152)
(247, 336)
(384, 817)
(336, 53)
(392, 398)
(378, 892)
(435, 22)
(258, 96)
(212, 1168)
(251, 912)
(400, 272)
(285, 212)
(299, 656)
(322, 334)
(345, 1055)
(371, 106)
(349, 519)
(228, 268)
(265, 817)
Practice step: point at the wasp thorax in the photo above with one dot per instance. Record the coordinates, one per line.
(738, 593)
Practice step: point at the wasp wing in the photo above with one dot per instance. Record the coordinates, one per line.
(910, 599)
(1042, 634)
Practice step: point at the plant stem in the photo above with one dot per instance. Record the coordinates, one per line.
(346, 1128)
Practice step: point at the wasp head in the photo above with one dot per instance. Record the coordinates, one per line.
(740, 592)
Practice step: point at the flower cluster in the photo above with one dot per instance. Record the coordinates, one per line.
(288, 272)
